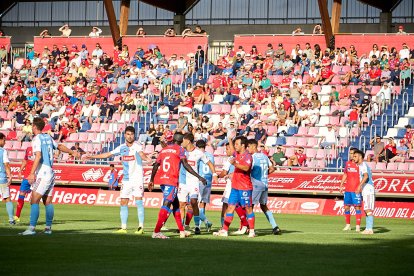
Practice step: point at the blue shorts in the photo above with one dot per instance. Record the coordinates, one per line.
(242, 197)
(169, 192)
(25, 186)
(260, 197)
(353, 199)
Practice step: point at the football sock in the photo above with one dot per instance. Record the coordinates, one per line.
(270, 218)
(242, 214)
(188, 217)
(124, 216)
(222, 221)
(177, 216)
(370, 222)
(202, 215)
(20, 204)
(348, 217)
(34, 214)
(141, 212)
(10, 211)
(358, 217)
(197, 221)
(251, 220)
(227, 221)
(162, 218)
(50, 212)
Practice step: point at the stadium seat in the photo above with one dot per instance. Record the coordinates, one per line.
(20, 155)
(323, 121)
(320, 154)
(381, 166)
(312, 142)
(271, 141)
(392, 167)
(403, 167)
(290, 141)
(25, 145)
(13, 154)
(311, 153)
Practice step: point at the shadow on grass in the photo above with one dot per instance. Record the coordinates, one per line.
(68, 252)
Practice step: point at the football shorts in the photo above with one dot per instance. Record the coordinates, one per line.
(132, 188)
(259, 197)
(242, 197)
(190, 189)
(352, 199)
(368, 195)
(25, 186)
(4, 191)
(226, 193)
(205, 192)
(44, 184)
(169, 192)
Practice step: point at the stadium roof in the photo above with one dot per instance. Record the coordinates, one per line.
(177, 6)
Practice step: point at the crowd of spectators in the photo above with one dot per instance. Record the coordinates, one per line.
(73, 87)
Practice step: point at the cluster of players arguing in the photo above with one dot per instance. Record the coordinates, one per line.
(185, 171)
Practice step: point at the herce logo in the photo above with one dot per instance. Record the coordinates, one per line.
(92, 174)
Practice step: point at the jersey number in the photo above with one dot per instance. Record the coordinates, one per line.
(206, 169)
(166, 165)
(265, 170)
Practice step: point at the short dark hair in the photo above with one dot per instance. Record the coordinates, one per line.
(39, 123)
(252, 142)
(2, 136)
(243, 140)
(111, 166)
(130, 129)
(353, 149)
(178, 138)
(189, 136)
(201, 144)
(360, 152)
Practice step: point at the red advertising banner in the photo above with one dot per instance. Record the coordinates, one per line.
(362, 42)
(382, 209)
(6, 42)
(279, 205)
(167, 45)
(392, 185)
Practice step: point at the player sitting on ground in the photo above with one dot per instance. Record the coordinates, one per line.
(132, 156)
(351, 198)
(261, 168)
(169, 160)
(368, 192)
(188, 184)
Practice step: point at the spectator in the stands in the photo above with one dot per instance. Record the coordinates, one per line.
(298, 31)
(170, 32)
(390, 150)
(260, 133)
(317, 29)
(141, 32)
(45, 33)
(199, 31)
(279, 157)
(298, 159)
(401, 30)
(329, 139)
(77, 148)
(95, 32)
(379, 149)
(65, 30)
(385, 92)
(409, 137)
(401, 152)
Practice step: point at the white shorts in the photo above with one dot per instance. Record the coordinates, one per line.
(368, 196)
(226, 193)
(191, 190)
(132, 188)
(44, 184)
(5, 191)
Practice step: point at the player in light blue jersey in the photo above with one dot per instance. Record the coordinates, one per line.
(261, 168)
(368, 191)
(42, 176)
(132, 156)
(205, 190)
(5, 179)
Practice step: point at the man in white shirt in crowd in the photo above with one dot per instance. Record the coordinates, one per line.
(163, 114)
(329, 140)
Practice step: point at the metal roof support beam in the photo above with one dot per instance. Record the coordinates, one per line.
(113, 26)
(336, 15)
(326, 24)
(123, 17)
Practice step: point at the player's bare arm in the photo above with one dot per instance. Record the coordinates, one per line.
(99, 156)
(245, 168)
(153, 173)
(8, 173)
(36, 162)
(344, 177)
(190, 170)
(145, 157)
(213, 170)
(65, 149)
(272, 169)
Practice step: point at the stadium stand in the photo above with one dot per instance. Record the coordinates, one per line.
(322, 100)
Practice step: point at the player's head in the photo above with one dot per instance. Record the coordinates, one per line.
(188, 139)
(351, 152)
(240, 144)
(2, 139)
(201, 144)
(359, 156)
(252, 145)
(38, 125)
(178, 138)
(130, 134)
(111, 166)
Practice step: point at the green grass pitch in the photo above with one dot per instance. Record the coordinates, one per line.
(82, 243)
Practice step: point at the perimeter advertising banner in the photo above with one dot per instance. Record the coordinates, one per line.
(392, 185)
(280, 205)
